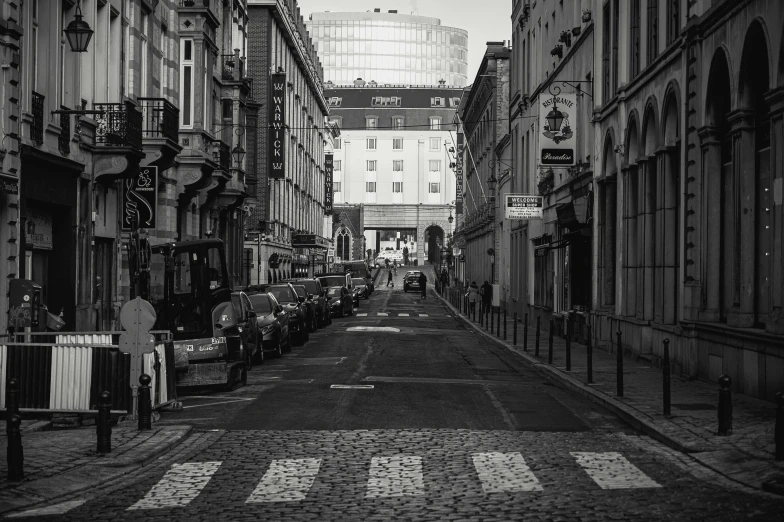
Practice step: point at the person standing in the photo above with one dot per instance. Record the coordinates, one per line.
(405, 255)
(389, 278)
(487, 296)
(423, 284)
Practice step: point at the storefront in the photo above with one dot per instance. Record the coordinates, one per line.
(310, 251)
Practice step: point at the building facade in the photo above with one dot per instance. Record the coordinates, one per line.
(288, 218)
(389, 48)
(395, 158)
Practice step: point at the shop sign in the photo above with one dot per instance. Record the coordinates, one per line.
(558, 125)
(277, 111)
(140, 199)
(328, 165)
(308, 241)
(523, 206)
(39, 229)
(9, 186)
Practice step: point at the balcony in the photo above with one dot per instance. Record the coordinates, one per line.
(160, 119)
(120, 125)
(37, 127)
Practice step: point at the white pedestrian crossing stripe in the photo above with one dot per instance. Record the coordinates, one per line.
(402, 315)
(423, 315)
(612, 471)
(362, 315)
(286, 480)
(504, 472)
(179, 486)
(396, 476)
(383, 314)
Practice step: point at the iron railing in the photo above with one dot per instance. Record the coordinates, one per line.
(37, 127)
(120, 125)
(160, 119)
(224, 156)
(64, 141)
(229, 62)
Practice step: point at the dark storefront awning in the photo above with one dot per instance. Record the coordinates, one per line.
(583, 234)
(309, 241)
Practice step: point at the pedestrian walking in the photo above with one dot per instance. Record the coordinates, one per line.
(487, 294)
(473, 296)
(444, 278)
(423, 284)
(405, 255)
(389, 278)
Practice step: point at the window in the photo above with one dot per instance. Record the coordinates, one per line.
(435, 165)
(371, 166)
(145, 55)
(397, 122)
(673, 20)
(397, 165)
(435, 123)
(186, 82)
(635, 38)
(371, 122)
(335, 101)
(616, 18)
(434, 143)
(397, 143)
(653, 30)
(343, 244)
(370, 186)
(386, 101)
(606, 53)
(337, 165)
(437, 102)
(371, 143)
(435, 188)
(338, 144)
(336, 186)
(397, 187)
(455, 102)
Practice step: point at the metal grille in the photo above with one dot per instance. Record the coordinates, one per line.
(160, 119)
(120, 125)
(37, 127)
(64, 142)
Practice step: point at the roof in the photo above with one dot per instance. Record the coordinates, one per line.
(411, 97)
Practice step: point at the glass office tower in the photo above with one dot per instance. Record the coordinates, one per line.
(389, 48)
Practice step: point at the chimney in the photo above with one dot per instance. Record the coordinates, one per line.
(377, 10)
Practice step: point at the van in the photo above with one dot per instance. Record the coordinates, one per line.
(335, 279)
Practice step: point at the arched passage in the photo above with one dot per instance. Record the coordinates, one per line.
(646, 214)
(629, 212)
(607, 224)
(667, 207)
(434, 239)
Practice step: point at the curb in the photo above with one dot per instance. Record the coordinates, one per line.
(144, 459)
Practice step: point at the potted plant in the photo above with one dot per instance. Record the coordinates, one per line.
(586, 15)
(576, 31)
(546, 182)
(557, 51)
(188, 3)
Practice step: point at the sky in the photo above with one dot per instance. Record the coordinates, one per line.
(485, 20)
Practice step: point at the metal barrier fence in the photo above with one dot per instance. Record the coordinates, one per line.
(66, 372)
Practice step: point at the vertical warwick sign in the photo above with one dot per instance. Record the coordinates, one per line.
(140, 199)
(558, 139)
(328, 164)
(277, 112)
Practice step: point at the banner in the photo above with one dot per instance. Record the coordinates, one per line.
(523, 206)
(459, 170)
(277, 114)
(558, 121)
(140, 199)
(328, 165)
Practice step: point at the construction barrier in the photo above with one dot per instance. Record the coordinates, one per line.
(66, 372)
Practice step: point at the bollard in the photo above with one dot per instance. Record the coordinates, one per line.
(102, 424)
(473, 310)
(778, 436)
(481, 311)
(525, 333)
(504, 324)
(14, 452)
(568, 345)
(492, 319)
(725, 405)
(589, 352)
(514, 329)
(498, 323)
(666, 377)
(145, 407)
(538, 333)
(550, 343)
(619, 366)
(487, 314)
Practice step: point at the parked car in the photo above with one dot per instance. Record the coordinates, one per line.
(287, 297)
(306, 298)
(244, 328)
(272, 324)
(340, 301)
(336, 279)
(313, 286)
(411, 281)
(361, 287)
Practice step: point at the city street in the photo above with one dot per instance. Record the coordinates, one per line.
(403, 412)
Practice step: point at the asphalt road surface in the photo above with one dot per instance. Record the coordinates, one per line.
(402, 412)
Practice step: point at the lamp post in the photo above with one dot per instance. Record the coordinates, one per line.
(78, 31)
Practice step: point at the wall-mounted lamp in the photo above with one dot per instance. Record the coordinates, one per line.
(78, 31)
(451, 218)
(239, 153)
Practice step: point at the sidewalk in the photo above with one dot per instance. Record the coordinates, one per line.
(746, 456)
(61, 462)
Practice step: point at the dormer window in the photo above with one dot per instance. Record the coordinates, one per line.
(386, 101)
(335, 101)
(455, 102)
(397, 122)
(371, 122)
(437, 102)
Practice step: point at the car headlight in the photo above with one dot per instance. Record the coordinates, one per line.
(267, 329)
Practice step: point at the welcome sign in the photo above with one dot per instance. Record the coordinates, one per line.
(558, 138)
(328, 165)
(277, 112)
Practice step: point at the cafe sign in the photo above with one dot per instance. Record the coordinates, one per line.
(558, 135)
(140, 199)
(277, 112)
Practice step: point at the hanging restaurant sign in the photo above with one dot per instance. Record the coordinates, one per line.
(140, 199)
(558, 138)
(523, 206)
(277, 112)
(328, 166)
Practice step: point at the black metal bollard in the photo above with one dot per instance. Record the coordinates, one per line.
(725, 405)
(514, 330)
(666, 377)
(778, 436)
(589, 352)
(568, 345)
(525, 333)
(538, 334)
(473, 310)
(550, 343)
(504, 324)
(619, 366)
(492, 319)
(103, 427)
(487, 315)
(481, 312)
(14, 452)
(145, 407)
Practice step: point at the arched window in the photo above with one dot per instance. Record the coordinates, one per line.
(343, 244)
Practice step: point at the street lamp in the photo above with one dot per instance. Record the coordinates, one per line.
(451, 218)
(554, 117)
(239, 153)
(78, 32)
(491, 181)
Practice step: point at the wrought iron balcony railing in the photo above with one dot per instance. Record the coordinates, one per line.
(120, 125)
(37, 127)
(160, 119)
(64, 142)
(229, 62)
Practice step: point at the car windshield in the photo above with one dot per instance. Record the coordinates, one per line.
(283, 294)
(311, 286)
(333, 291)
(333, 280)
(358, 281)
(301, 292)
(261, 303)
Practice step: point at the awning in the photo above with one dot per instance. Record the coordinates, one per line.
(572, 237)
(309, 241)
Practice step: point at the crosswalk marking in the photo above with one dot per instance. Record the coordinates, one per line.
(402, 315)
(423, 315)
(611, 470)
(382, 314)
(286, 480)
(504, 472)
(181, 484)
(396, 476)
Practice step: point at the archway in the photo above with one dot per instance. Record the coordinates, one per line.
(608, 220)
(667, 212)
(629, 211)
(434, 239)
